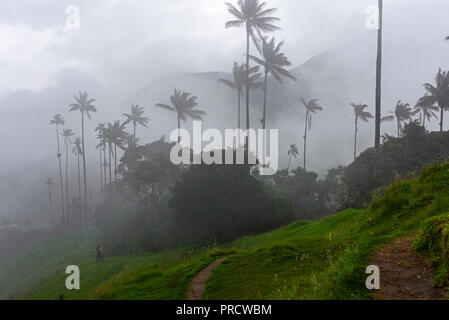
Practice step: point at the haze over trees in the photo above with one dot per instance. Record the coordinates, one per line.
(146, 203)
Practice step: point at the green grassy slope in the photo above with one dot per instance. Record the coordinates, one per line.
(320, 260)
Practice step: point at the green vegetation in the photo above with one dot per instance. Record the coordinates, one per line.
(319, 260)
(435, 242)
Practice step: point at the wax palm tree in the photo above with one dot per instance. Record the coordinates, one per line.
(58, 121)
(78, 151)
(439, 93)
(107, 140)
(379, 77)
(273, 61)
(183, 103)
(253, 15)
(239, 83)
(311, 107)
(100, 129)
(360, 114)
(403, 112)
(50, 185)
(67, 134)
(292, 152)
(85, 106)
(426, 108)
(136, 117)
(116, 137)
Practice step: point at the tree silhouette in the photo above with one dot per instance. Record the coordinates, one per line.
(116, 136)
(100, 129)
(426, 108)
(78, 151)
(252, 15)
(136, 117)
(85, 106)
(273, 61)
(379, 77)
(67, 134)
(183, 103)
(50, 185)
(360, 114)
(439, 93)
(403, 112)
(292, 152)
(58, 120)
(239, 83)
(311, 107)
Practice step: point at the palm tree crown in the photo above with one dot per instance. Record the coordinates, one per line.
(136, 116)
(274, 60)
(360, 114)
(312, 106)
(293, 151)
(183, 103)
(403, 112)
(57, 120)
(239, 83)
(68, 133)
(253, 15)
(239, 78)
(439, 93)
(427, 108)
(83, 104)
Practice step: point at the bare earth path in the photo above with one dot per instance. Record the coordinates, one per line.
(198, 284)
(404, 275)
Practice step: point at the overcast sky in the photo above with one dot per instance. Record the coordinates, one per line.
(129, 43)
(129, 40)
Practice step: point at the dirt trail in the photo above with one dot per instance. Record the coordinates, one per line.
(404, 275)
(198, 284)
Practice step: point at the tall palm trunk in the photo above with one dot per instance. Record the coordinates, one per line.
(423, 115)
(379, 76)
(355, 137)
(115, 163)
(264, 119)
(305, 139)
(399, 128)
(60, 177)
(101, 170)
(442, 117)
(110, 166)
(84, 171)
(66, 140)
(289, 161)
(104, 164)
(247, 78)
(239, 96)
(79, 193)
(179, 128)
(134, 131)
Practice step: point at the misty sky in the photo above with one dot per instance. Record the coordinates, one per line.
(126, 44)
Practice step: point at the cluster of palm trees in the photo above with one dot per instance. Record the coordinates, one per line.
(111, 136)
(435, 99)
(258, 21)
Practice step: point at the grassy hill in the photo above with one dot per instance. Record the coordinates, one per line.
(319, 260)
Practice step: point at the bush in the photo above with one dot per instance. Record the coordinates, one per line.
(434, 241)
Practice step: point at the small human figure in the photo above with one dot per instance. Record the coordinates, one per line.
(99, 250)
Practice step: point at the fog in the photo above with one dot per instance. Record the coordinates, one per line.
(138, 51)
